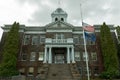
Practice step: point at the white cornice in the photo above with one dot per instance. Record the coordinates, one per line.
(35, 32)
(58, 30)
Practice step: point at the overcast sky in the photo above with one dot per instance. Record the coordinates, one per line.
(38, 12)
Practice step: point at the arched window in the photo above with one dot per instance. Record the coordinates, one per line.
(62, 19)
(56, 19)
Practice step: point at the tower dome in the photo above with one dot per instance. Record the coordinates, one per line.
(59, 15)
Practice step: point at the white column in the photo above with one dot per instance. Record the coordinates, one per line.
(50, 56)
(73, 55)
(45, 55)
(68, 55)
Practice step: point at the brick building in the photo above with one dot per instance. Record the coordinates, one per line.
(58, 43)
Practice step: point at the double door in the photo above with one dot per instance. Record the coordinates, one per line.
(59, 59)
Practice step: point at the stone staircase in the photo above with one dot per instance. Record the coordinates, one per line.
(75, 72)
(61, 72)
(43, 72)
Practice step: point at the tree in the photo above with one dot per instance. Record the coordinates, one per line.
(10, 50)
(109, 52)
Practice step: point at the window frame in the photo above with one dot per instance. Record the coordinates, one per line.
(33, 57)
(26, 39)
(41, 53)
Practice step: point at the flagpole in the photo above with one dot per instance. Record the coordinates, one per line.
(88, 75)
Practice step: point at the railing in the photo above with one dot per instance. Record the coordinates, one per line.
(59, 40)
(49, 40)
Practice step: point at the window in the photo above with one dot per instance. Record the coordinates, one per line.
(89, 42)
(34, 40)
(85, 71)
(30, 71)
(62, 19)
(42, 39)
(80, 69)
(81, 39)
(39, 70)
(24, 57)
(93, 56)
(77, 56)
(56, 19)
(59, 36)
(41, 56)
(26, 39)
(76, 40)
(32, 56)
(84, 57)
(22, 71)
(96, 71)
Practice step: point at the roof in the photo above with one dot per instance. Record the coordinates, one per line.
(59, 11)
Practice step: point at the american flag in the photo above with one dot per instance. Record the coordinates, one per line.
(88, 27)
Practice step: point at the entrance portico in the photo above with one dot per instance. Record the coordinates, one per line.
(59, 54)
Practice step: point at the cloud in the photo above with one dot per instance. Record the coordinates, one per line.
(94, 11)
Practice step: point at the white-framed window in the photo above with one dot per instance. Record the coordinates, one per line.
(89, 42)
(34, 40)
(76, 39)
(30, 71)
(26, 39)
(85, 71)
(23, 56)
(42, 39)
(84, 56)
(41, 56)
(81, 40)
(93, 56)
(39, 70)
(32, 56)
(96, 71)
(77, 56)
(59, 36)
(22, 71)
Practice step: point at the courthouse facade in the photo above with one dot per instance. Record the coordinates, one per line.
(58, 42)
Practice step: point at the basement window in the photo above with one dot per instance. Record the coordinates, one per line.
(30, 71)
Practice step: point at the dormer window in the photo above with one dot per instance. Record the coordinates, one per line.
(56, 19)
(62, 19)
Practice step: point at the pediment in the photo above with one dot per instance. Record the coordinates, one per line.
(59, 24)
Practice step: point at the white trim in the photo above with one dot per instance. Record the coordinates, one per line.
(9, 30)
(59, 31)
(78, 32)
(34, 32)
(59, 45)
(99, 30)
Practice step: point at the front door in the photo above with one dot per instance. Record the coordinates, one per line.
(59, 58)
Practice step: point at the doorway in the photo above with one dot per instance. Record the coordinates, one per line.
(59, 55)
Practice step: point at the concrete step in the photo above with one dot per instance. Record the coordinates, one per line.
(59, 71)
